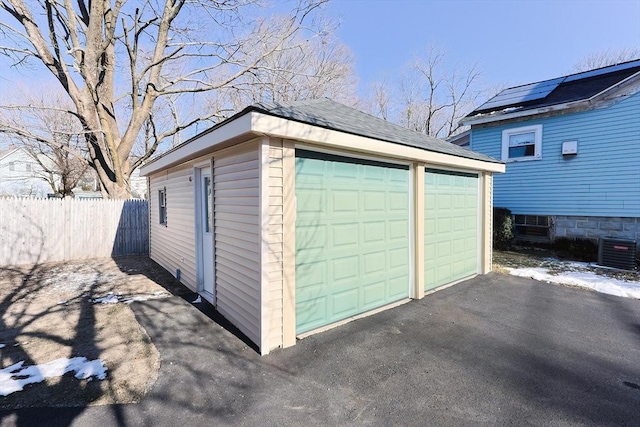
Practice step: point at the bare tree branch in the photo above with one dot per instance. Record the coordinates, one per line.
(124, 64)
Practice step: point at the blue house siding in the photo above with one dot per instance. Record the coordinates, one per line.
(602, 180)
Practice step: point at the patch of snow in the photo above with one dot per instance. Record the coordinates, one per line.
(197, 300)
(15, 377)
(510, 109)
(584, 279)
(61, 281)
(114, 299)
(109, 299)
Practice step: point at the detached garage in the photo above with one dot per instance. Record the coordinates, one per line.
(294, 218)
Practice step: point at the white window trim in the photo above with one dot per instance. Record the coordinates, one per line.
(537, 129)
(162, 206)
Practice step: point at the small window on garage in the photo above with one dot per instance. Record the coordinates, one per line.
(162, 203)
(523, 143)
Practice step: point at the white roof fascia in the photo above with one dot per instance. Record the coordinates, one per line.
(488, 118)
(288, 129)
(200, 145)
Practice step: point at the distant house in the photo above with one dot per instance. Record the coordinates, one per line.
(572, 149)
(21, 175)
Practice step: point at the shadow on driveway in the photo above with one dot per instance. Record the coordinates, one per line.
(494, 350)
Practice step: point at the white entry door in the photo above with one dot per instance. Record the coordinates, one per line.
(205, 226)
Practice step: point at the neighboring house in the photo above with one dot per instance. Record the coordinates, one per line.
(293, 218)
(138, 185)
(21, 175)
(462, 139)
(572, 149)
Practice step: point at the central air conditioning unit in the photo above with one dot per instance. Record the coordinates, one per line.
(616, 253)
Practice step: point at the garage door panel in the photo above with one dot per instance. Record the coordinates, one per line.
(373, 232)
(365, 242)
(374, 294)
(374, 263)
(374, 201)
(345, 269)
(312, 200)
(451, 227)
(398, 231)
(374, 173)
(344, 235)
(313, 312)
(344, 201)
(344, 302)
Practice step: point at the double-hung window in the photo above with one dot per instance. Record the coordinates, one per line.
(162, 203)
(524, 143)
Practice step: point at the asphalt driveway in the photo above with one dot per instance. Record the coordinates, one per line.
(495, 350)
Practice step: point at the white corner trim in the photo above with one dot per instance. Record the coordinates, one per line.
(263, 156)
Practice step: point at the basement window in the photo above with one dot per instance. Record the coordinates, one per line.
(533, 228)
(524, 143)
(162, 203)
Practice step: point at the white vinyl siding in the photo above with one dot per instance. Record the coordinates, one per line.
(275, 241)
(237, 237)
(173, 246)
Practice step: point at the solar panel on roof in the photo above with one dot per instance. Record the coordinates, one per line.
(521, 94)
(606, 70)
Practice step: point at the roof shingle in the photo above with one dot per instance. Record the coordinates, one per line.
(336, 116)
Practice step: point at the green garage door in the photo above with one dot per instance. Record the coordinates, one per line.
(450, 226)
(352, 237)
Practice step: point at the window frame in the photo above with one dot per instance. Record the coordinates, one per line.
(162, 206)
(537, 143)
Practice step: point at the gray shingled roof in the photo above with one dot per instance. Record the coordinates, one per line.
(333, 115)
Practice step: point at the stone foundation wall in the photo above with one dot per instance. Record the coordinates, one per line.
(594, 227)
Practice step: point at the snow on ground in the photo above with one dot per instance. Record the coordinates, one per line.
(15, 377)
(74, 281)
(580, 274)
(110, 298)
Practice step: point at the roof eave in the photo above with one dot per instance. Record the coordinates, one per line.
(255, 121)
(231, 129)
(279, 127)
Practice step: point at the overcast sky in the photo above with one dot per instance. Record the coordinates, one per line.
(512, 42)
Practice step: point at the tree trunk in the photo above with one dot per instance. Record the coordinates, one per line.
(112, 190)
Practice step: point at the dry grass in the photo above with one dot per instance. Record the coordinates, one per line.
(48, 312)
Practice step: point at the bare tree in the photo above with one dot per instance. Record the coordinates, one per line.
(381, 103)
(305, 69)
(52, 136)
(429, 97)
(116, 61)
(605, 58)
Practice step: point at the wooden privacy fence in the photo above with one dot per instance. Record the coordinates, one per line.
(44, 230)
